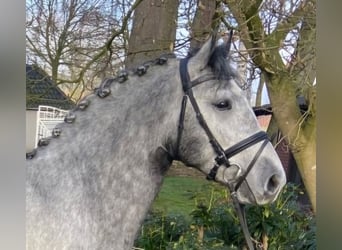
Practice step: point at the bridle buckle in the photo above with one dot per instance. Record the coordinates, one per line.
(222, 159)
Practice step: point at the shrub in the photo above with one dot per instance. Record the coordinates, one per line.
(213, 224)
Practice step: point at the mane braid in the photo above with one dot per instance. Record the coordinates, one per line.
(157, 61)
(122, 75)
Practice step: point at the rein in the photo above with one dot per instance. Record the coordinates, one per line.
(223, 156)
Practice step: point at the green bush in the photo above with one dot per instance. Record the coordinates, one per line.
(213, 224)
(284, 222)
(159, 230)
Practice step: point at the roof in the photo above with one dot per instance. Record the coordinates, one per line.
(266, 109)
(263, 110)
(40, 90)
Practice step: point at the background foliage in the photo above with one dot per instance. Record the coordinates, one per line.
(212, 223)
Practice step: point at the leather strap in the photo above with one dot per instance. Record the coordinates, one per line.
(223, 156)
(246, 143)
(187, 88)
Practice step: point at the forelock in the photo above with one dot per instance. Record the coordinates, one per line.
(219, 62)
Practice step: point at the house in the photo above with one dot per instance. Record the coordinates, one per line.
(46, 105)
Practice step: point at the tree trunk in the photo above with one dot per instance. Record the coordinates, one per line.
(153, 31)
(201, 26)
(300, 130)
(273, 130)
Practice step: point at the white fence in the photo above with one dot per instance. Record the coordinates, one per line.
(47, 118)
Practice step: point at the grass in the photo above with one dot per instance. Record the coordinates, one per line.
(177, 193)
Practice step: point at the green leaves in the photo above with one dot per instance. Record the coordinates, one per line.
(213, 224)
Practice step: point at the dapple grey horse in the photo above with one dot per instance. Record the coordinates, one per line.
(92, 186)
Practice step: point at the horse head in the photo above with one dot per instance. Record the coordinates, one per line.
(220, 134)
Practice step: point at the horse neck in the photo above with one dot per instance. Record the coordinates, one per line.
(111, 158)
(136, 163)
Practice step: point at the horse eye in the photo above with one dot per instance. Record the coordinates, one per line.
(223, 105)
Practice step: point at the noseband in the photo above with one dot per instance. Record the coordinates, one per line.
(223, 156)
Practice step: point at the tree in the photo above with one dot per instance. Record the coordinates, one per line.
(203, 22)
(75, 40)
(267, 28)
(153, 31)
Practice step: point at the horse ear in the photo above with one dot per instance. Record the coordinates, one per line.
(200, 60)
(229, 41)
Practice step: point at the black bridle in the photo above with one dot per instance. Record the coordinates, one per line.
(223, 156)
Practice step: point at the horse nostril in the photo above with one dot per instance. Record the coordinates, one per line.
(273, 184)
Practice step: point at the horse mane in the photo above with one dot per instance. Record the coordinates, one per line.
(219, 62)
